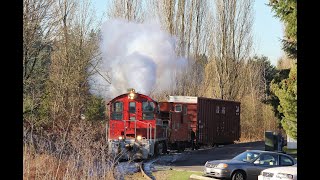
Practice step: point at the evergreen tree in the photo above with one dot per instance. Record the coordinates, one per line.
(273, 100)
(286, 10)
(269, 72)
(286, 91)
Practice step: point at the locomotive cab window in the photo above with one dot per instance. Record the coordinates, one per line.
(178, 108)
(132, 107)
(117, 109)
(148, 110)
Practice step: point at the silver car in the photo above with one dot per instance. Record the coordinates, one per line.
(247, 165)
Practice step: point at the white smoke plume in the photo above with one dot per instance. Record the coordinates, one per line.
(139, 56)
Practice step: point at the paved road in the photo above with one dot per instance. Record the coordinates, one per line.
(195, 160)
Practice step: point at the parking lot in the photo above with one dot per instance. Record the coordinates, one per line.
(195, 160)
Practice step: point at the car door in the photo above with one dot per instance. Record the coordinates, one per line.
(264, 161)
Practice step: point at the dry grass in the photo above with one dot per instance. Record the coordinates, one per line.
(81, 155)
(256, 118)
(246, 139)
(42, 166)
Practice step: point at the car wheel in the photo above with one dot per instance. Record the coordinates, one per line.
(238, 175)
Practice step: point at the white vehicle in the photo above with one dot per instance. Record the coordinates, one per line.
(279, 173)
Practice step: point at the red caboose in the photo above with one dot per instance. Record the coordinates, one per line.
(134, 129)
(181, 114)
(195, 121)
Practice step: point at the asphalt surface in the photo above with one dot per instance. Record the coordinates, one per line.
(195, 160)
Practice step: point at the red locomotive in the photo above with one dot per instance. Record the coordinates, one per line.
(135, 127)
(140, 127)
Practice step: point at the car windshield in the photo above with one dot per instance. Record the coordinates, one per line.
(247, 156)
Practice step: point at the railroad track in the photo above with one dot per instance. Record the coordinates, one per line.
(143, 167)
(146, 172)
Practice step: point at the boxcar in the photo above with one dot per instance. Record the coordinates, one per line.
(218, 121)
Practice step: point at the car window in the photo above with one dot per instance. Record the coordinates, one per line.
(285, 161)
(247, 156)
(267, 160)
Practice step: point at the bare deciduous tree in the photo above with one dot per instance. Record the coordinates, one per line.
(75, 51)
(186, 20)
(256, 116)
(231, 45)
(131, 10)
(39, 24)
(285, 62)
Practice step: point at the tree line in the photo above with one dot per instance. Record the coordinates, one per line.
(63, 119)
(61, 53)
(216, 38)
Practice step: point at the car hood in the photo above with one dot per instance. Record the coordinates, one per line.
(227, 161)
(288, 170)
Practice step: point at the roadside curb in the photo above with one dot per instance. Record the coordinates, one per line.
(197, 177)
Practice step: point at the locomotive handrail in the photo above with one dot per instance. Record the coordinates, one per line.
(149, 128)
(125, 128)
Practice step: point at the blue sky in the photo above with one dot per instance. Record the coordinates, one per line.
(267, 29)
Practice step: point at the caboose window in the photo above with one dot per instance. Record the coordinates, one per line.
(117, 111)
(132, 107)
(148, 110)
(178, 108)
(185, 109)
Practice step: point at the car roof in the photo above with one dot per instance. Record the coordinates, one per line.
(261, 151)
